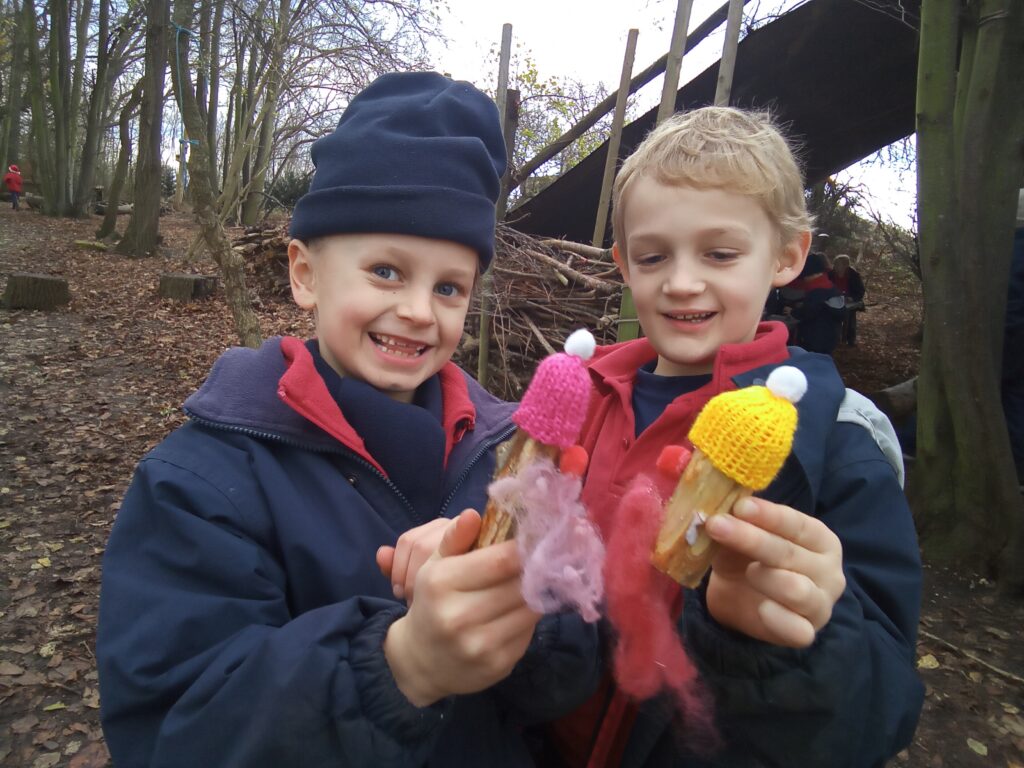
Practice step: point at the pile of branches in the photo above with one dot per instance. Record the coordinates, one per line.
(265, 249)
(538, 292)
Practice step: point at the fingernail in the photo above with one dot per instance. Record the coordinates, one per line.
(399, 592)
(744, 508)
(719, 524)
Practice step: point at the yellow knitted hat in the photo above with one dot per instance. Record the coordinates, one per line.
(748, 433)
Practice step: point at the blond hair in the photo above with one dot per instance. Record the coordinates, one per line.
(724, 148)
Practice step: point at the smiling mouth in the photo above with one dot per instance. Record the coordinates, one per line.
(690, 317)
(399, 347)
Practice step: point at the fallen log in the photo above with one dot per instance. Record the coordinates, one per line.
(898, 401)
(31, 291)
(122, 210)
(183, 287)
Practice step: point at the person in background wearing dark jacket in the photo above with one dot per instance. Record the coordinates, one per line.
(12, 180)
(244, 621)
(804, 631)
(848, 282)
(820, 311)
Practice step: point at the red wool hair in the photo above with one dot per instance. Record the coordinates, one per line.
(649, 655)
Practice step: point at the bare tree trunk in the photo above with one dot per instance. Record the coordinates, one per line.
(81, 11)
(124, 154)
(969, 168)
(253, 202)
(230, 263)
(43, 168)
(228, 148)
(97, 107)
(214, 99)
(59, 71)
(10, 129)
(142, 236)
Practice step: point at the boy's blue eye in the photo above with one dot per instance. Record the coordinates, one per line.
(385, 272)
(448, 289)
(722, 256)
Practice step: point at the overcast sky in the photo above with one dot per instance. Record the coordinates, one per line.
(585, 40)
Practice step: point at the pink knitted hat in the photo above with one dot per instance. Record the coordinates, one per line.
(555, 404)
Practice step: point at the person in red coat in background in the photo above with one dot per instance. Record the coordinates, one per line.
(12, 180)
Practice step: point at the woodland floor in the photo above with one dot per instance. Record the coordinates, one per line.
(86, 390)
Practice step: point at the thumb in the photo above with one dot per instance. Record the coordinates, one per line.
(386, 560)
(460, 536)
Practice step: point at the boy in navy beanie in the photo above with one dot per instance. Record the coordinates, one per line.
(258, 606)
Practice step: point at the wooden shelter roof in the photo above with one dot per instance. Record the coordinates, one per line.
(839, 74)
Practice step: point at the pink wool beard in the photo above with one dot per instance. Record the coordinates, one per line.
(561, 551)
(649, 656)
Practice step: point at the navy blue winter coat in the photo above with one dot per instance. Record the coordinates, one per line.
(242, 614)
(851, 700)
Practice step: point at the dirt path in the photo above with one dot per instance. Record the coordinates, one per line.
(86, 390)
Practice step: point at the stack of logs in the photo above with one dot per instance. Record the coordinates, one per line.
(541, 291)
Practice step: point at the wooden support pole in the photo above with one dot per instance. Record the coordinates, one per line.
(483, 353)
(612, 159)
(501, 99)
(726, 68)
(509, 129)
(179, 182)
(675, 61)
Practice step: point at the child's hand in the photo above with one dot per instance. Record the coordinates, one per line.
(777, 575)
(469, 625)
(403, 561)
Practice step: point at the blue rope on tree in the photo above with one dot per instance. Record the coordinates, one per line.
(178, 29)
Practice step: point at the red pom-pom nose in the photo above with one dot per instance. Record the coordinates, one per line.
(673, 460)
(574, 461)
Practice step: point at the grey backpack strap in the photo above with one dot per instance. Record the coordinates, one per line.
(857, 409)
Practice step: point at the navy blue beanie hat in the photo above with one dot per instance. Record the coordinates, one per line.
(414, 154)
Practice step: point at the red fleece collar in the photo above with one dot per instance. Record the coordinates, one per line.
(617, 365)
(459, 415)
(304, 391)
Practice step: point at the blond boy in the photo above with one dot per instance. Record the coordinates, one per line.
(804, 631)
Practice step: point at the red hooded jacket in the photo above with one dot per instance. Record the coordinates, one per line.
(12, 181)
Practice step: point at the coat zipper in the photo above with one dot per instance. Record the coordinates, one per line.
(270, 436)
(484, 448)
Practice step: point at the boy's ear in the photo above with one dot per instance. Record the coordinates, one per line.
(620, 263)
(302, 274)
(791, 261)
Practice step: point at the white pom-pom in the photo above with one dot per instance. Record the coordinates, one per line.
(581, 343)
(788, 382)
